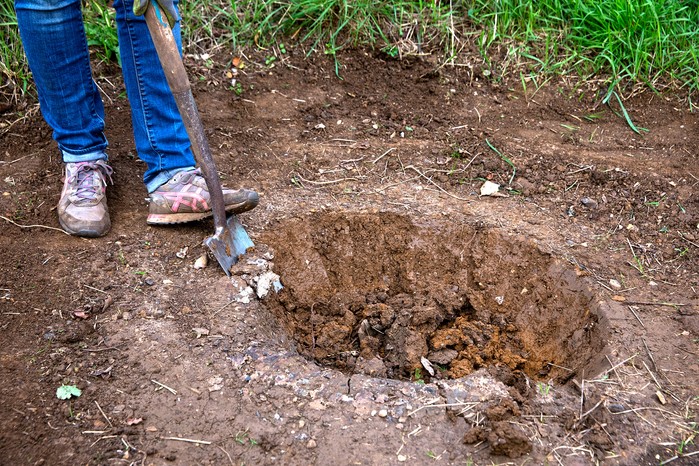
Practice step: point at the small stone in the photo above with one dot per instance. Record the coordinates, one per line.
(616, 408)
(126, 315)
(383, 413)
(402, 458)
(589, 203)
(301, 423)
(311, 444)
(201, 262)
(615, 284)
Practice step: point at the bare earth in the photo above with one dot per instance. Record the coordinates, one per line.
(553, 323)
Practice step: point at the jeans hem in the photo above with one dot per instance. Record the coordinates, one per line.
(165, 176)
(87, 157)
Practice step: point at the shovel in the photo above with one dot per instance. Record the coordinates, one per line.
(230, 239)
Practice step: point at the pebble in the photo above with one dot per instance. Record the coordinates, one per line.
(383, 413)
(616, 407)
(201, 262)
(615, 284)
(311, 444)
(589, 203)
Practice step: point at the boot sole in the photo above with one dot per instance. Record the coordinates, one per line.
(174, 219)
(85, 232)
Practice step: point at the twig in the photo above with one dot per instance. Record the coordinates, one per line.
(229, 456)
(105, 437)
(636, 316)
(444, 405)
(429, 180)
(96, 289)
(615, 372)
(383, 188)
(652, 376)
(383, 155)
(188, 440)
(650, 355)
(693, 244)
(615, 366)
(687, 455)
(34, 226)
(592, 409)
(104, 415)
(99, 350)
(647, 303)
(15, 160)
(223, 307)
(171, 390)
(647, 408)
(323, 183)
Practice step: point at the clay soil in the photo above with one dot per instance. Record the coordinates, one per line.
(555, 322)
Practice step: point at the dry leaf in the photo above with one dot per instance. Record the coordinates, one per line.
(621, 299)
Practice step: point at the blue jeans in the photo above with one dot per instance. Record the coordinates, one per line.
(53, 36)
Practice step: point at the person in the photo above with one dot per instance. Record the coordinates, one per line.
(53, 35)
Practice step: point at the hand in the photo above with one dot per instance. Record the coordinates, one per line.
(167, 6)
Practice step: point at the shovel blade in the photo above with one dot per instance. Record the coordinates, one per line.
(229, 243)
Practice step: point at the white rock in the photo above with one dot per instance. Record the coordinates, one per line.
(615, 284)
(489, 188)
(201, 262)
(267, 281)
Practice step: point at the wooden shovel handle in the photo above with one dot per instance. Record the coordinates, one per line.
(176, 75)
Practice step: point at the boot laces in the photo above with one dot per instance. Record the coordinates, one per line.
(83, 179)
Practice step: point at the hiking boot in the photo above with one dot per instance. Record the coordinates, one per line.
(185, 198)
(82, 210)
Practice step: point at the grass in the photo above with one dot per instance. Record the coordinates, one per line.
(15, 79)
(624, 46)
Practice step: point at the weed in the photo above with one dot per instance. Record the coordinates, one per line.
(237, 88)
(100, 29)
(543, 389)
(592, 117)
(243, 438)
(65, 392)
(623, 111)
(505, 159)
(418, 377)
